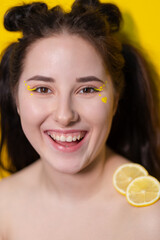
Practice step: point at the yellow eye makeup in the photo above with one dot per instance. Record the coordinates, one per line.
(29, 88)
(101, 88)
(104, 99)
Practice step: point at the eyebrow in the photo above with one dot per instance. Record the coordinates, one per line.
(89, 79)
(81, 79)
(41, 78)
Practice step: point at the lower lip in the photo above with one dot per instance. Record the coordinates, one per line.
(67, 149)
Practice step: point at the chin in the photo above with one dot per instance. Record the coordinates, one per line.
(67, 167)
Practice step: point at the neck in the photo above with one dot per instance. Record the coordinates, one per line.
(79, 186)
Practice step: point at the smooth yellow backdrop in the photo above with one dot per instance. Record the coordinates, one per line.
(141, 23)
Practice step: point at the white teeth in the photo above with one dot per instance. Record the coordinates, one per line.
(78, 138)
(69, 139)
(62, 138)
(74, 139)
(57, 138)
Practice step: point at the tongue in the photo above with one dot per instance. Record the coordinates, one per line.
(67, 144)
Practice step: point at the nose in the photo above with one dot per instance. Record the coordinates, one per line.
(64, 114)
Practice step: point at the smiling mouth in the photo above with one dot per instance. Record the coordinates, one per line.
(67, 140)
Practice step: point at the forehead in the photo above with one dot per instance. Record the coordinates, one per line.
(67, 52)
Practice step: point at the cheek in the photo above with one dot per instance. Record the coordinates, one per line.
(97, 111)
(31, 112)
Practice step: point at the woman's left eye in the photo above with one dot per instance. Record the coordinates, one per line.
(88, 90)
(44, 90)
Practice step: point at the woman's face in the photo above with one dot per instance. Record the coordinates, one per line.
(56, 99)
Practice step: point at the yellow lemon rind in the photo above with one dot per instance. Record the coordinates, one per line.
(120, 169)
(147, 203)
(119, 190)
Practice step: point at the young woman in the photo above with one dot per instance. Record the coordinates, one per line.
(76, 104)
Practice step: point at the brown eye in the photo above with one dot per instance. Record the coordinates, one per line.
(43, 90)
(87, 90)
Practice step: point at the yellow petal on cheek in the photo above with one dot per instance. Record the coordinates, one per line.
(104, 99)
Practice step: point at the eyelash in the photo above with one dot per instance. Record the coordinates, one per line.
(44, 88)
(94, 90)
(38, 89)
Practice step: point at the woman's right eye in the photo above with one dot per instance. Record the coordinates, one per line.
(43, 90)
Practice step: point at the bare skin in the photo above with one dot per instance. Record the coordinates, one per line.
(28, 210)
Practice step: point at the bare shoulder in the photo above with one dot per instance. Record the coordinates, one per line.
(153, 215)
(10, 186)
(7, 191)
(17, 179)
(150, 220)
(13, 190)
(3, 209)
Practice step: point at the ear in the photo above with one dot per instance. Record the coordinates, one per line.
(18, 110)
(15, 99)
(115, 106)
(16, 103)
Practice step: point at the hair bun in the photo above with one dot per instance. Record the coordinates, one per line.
(108, 10)
(15, 18)
(113, 15)
(87, 2)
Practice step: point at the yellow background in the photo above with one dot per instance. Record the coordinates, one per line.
(141, 23)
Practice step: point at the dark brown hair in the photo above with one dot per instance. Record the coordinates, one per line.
(99, 24)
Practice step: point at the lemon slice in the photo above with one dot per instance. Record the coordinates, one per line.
(125, 174)
(143, 191)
